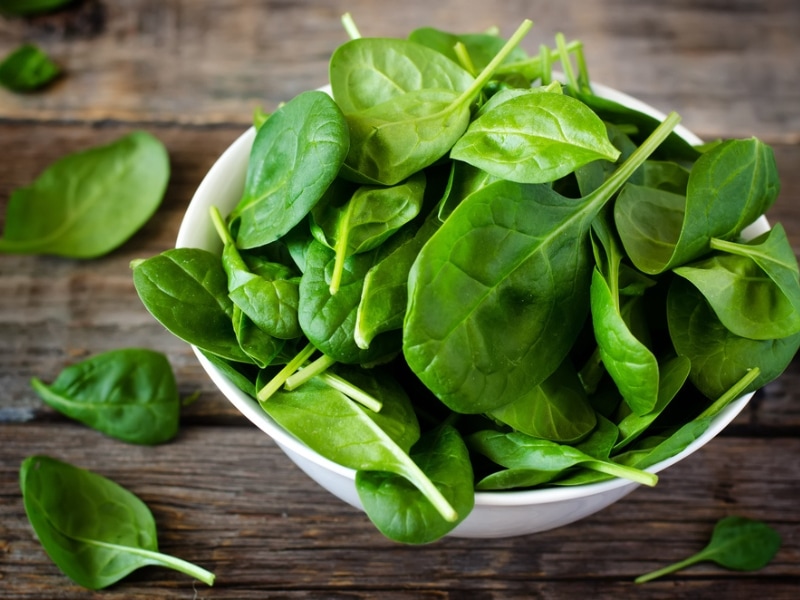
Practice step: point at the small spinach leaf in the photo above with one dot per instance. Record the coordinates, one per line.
(27, 68)
(93, 529)
(129, 394)
(736, 543)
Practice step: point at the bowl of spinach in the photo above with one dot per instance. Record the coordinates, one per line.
(475, 297)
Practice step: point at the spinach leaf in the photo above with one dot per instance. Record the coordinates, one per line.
(400, 510)
(329, 320)
(384, 297)
(331, 424)
(719, 357)
(296, 155)
(464, 181)
(753, 288)
(30, 7)
(557, 409)
(395, 138)
(27, 68)
(729, 187)
(186, 290)
(523, 452)
(366, 219)
(480, 47)
(129, 394)
(94, 530)
(86, 204)
(736, 543)
(534, 138)
(515, 312)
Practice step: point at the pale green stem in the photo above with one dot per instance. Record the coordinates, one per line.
(219, 224)
(617, 470)
(566, 61)
(353, 392)
(682, 564)
(350, 26)
(464, 58)
(547, 64)
(340, 250)
(276, 383)
(736, 390)
(308, 372)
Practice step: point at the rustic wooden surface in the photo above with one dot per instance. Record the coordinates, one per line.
(191, 72)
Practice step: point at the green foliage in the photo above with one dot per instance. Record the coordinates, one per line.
(129, 394)
(94, 530)
(737, 543)
(87, 204)
(27, 68)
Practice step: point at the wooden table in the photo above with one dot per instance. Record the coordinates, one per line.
(191, 72)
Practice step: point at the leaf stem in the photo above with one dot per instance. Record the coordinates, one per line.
(353, 392)
(682, 564)
(464, 58)
(736, 390)
(308, 372)
(274, 384)
(624, 472)
(350, 26)
(566, 61)
(547, 64)
(340, 249)
(219, 225)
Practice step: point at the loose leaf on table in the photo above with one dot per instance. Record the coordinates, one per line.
(337, 428)
(729, 187)
(719, 357)
(400, 511)
(753, 287)
(535, 138)
(392, 139)
(94, 530)
(186, 290)
(86, 204)
(515, 311)
(30, 7)
(737, 543)
(296, 155)
(27, 68)
(129, 394)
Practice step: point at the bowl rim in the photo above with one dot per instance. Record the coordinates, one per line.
(228, 173)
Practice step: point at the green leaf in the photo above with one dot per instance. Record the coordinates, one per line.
(729, 187)
(737, 543)
(86, 204)
(94, 530)
(458, 337)
(30, 7)
(27, 68)
(400, 510)
(129, 394)
(186, 290)
(535, 138)
(296, 155)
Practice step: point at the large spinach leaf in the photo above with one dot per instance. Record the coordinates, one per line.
(86, 204)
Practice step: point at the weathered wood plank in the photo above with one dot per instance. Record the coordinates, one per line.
(727, 68)
(229, 500)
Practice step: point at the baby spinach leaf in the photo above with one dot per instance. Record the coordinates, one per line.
(330, 423)
(328, 320)
(367, 72)
(535, 138)
(400, 510)
(393, 139)
(475, 357)
(753, 287)
(30, 7)
(464, 181)
(27, 68)
(256, 343)
(729, 187)
(296, 155)
(129, 394)
(93, 529)
(557, 409)
(719, 357)
(186, 290)
(523, 452)
(384, 297)
(737, 543)
(366, 219)
(86, 204)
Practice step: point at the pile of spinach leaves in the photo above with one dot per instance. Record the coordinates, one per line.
(456, 272)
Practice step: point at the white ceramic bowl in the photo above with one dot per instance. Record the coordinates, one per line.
(496, 514)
